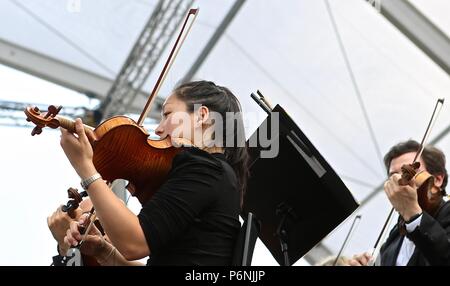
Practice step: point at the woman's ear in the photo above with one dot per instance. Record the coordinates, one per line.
(202, 115)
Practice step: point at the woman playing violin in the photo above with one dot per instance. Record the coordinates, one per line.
(193, 219)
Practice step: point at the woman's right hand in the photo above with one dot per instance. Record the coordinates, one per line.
(360, 259)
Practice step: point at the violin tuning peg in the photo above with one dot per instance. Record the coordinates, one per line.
(36, 109)
(36, 131)
(73, 194)
(28, 119)
(53, 110)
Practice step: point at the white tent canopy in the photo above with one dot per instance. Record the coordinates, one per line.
(287, 49)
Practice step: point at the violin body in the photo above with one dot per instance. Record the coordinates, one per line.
(428, 195)
(122, 150)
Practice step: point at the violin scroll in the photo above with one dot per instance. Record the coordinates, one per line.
(74, 203)
(409, 171)
(47, 119)
(50, 119)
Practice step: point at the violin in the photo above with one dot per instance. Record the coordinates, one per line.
(122, 148)
(73, 258)
(75, 199)
(429, 196)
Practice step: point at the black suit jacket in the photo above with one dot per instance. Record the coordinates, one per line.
(431, 238)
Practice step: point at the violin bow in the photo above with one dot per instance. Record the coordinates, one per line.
(347, 238)
(91, 219)
(173, 53)
(385, 229)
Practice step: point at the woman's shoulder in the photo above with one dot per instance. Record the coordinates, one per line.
(195, 156)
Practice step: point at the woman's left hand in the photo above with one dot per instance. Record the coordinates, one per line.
(78, 150)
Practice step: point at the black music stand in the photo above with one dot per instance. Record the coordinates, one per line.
(297, 196)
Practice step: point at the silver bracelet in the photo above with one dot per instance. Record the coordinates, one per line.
(88, 181)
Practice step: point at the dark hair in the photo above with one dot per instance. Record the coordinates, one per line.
(433, 158)
(221, 100)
